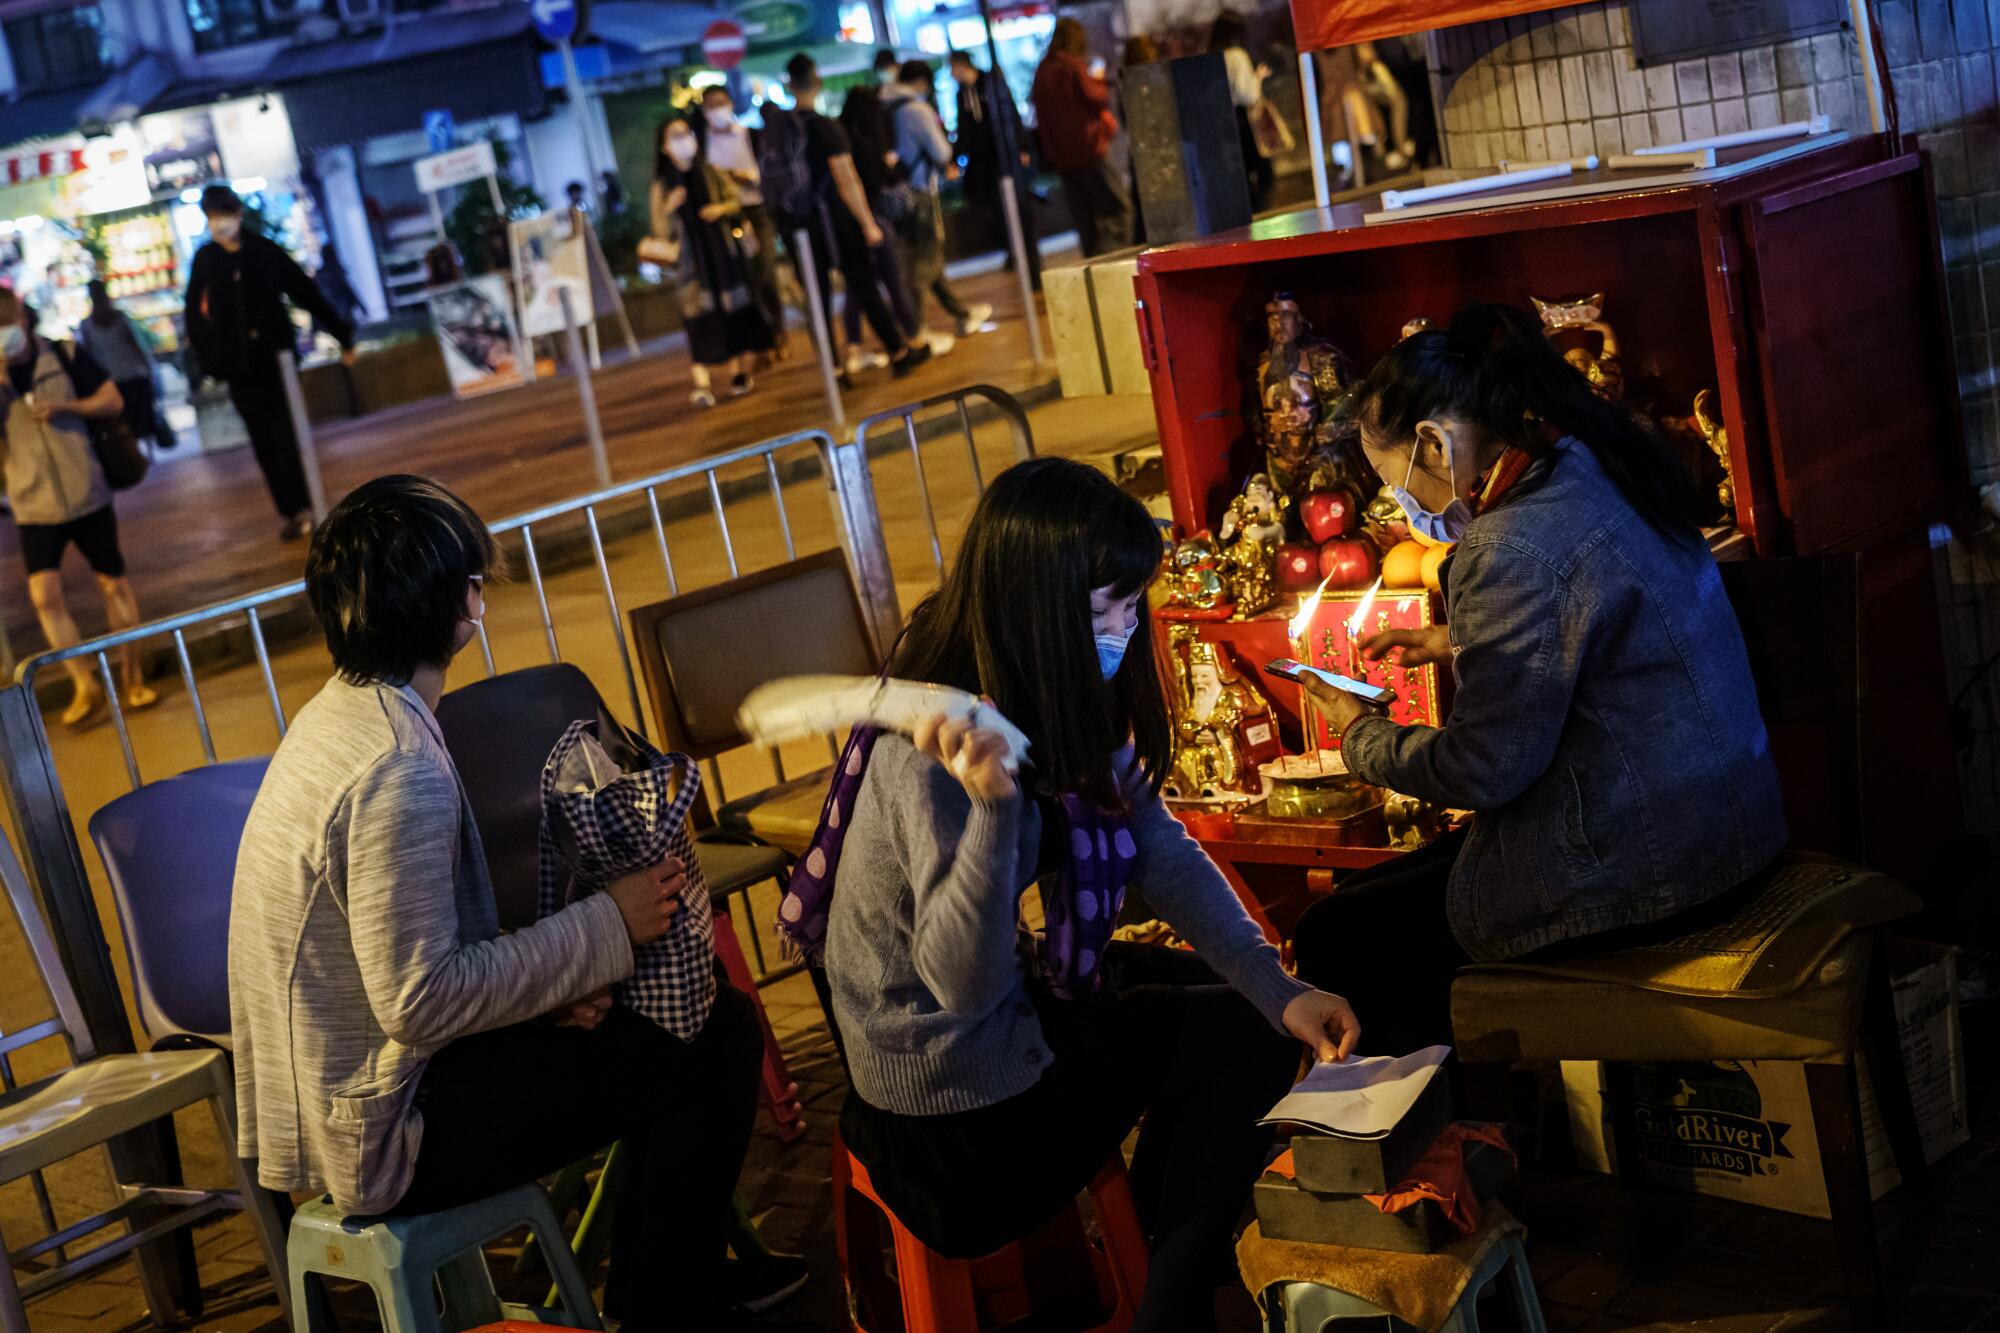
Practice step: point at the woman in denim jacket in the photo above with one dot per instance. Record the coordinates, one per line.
(1605, 727)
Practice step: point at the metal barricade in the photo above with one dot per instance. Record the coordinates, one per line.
(33, 786)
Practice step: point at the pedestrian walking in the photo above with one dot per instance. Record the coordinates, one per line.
(698, 217)
(927, 160)
(992, 142)
(1229, 36)
(1077, 126)
(58, 493)
(237, 321)
(832, 208)
(876, 165)
(726, 143)
(122, 352)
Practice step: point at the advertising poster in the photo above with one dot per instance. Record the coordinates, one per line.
(551, 256)
(475, 328)
(181, 150)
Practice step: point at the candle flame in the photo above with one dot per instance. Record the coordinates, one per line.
(1302, 622)
(1361, 612)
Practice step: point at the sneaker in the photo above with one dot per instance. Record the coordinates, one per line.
(939, 343)
(859, 360)
(741, 385)
(297, 528)
(917, 354)
(702, 398)
(974, 319)
(763, 1282)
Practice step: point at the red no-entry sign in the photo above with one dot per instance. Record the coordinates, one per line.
(723, 44)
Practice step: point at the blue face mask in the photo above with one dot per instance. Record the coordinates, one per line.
(1442, 528)
(1111, 652)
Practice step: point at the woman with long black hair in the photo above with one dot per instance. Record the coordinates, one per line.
(1605, 729)
(993, 1073)
(698, 213)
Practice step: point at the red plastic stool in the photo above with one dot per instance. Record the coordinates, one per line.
(1059, 1266)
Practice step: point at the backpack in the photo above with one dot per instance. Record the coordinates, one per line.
(782, 166)
(111, 438)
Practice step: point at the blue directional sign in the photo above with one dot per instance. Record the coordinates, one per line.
(440, 131)
(555, 20)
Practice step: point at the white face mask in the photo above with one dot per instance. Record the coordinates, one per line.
(1443, 528)
(13, 341)
(680, 150)
(225, 229)
(720, 118)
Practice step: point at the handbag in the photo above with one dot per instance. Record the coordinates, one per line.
(656, 251)
(111, 438)
(1268, 128)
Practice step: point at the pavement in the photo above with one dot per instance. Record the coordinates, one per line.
(1604, 1258)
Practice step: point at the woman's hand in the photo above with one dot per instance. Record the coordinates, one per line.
(1336, 705)
(676, 197)
(714, 212)
(650, 898)
(1324, 1022)
(587, 1012)
(974, 755)
(1418, 646)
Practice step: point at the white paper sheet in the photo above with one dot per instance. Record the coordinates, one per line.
(1359, 1098)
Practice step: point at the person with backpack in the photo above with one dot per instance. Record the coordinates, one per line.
(828, 205)
(59, 494)
(926, 157)
(884, 184)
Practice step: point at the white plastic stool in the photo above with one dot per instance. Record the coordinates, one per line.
(1307, 1307)
(403, 1258)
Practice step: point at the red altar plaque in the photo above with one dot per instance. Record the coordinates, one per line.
(1329, 645)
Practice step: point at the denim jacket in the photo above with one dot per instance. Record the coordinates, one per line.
(1605, 728)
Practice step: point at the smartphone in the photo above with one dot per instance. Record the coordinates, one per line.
(1360, 689)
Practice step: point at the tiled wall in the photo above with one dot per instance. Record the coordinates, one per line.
(1564, 83)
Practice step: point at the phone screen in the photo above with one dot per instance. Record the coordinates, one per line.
(1360, 689)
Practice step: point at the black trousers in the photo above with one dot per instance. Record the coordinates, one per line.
(1163, 1039)
(1100, 209)
(509, 1106)
(838, 241)
(1383, 941)
(139, 409)
(1262, 179)
(258, 392)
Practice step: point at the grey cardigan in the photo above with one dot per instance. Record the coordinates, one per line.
(363, 938)
(1605, 728)
(924, 954)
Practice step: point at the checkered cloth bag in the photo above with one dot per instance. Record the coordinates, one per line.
(611, 803)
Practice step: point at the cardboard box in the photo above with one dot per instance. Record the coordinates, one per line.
(1744, 1130)
(1287, 1211)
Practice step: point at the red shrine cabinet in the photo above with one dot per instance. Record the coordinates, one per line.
(1802, 291)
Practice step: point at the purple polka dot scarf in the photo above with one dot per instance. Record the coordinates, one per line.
(1079, 903)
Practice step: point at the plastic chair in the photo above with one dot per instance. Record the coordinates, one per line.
(499, 732)
(702, 652)
(417, 1264)
(169, 850)
(1307, 1307)
(1015, 1282)
(94, 1101)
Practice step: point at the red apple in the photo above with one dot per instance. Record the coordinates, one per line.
(1298, 567)
(1347, 563)
(1328, 514)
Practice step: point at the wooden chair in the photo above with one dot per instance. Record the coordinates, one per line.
(702, 652)
(1799, 974)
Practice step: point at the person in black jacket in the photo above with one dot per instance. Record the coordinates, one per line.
(238, 323)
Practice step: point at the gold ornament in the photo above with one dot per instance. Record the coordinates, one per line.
(1585, 314)
(1713, 429)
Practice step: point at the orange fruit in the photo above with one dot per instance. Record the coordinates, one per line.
(1433, 560)
(1402, 567)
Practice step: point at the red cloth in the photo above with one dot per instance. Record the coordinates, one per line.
(1072, 114)
(1324, 24)
(1439, 1176)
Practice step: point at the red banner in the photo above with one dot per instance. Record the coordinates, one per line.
(40, 166)
(1323, 24)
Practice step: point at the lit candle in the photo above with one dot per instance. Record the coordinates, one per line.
(1299, 631)
(1355, 667)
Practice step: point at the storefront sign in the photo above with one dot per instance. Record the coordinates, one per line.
(443, 170)
(474, 321)
(24, 167)
(181, 151)
(113, 175)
